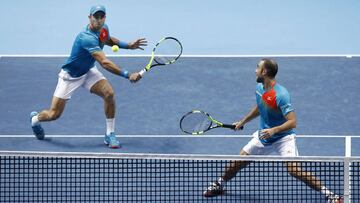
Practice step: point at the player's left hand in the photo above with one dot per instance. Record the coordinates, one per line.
(138, 44)
(134, 77)
(266, 133)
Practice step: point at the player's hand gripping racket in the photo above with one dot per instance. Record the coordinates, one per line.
(197, 122)
(166, 51)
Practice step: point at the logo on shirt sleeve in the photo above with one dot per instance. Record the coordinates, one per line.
(269, 98)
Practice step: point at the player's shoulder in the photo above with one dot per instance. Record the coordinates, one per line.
(106, 26)
(87, 35)
(259, 86)
(281, 91)
(280, 88)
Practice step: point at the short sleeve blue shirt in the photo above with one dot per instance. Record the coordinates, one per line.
(273, 105)
(86, 43)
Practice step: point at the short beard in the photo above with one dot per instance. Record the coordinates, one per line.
(259, 80)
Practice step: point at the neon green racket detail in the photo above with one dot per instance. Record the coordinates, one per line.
(167, 51)
(197, 122)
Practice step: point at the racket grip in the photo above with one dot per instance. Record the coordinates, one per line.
(142, 72)
(228, 126)
(231, 126)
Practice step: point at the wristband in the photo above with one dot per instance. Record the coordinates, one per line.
(123, 45)
(124, 73)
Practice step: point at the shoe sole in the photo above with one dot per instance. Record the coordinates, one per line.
(40, 136)
(205, 194)
(113, 147)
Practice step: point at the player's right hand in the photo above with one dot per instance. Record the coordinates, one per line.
(134, 77)
(239, 125)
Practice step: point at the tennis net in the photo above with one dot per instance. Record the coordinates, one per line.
(112, 177)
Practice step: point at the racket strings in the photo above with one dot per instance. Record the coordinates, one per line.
(164, 59)
(167, 51)
(195, 122)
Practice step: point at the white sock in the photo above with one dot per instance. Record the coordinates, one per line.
(221, 181)
(35, 120)
(326, 191)
(110, 125)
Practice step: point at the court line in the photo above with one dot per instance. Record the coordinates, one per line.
(190, 55)
(176, 136)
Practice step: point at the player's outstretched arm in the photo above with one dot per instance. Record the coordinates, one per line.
(137, 44)
(254, 112)
(110, 66)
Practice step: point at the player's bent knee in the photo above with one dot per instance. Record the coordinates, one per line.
(109, 95)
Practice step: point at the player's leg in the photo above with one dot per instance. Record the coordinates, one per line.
(56, 109)
(312, 181)
(217, 187)
(103, 89)
(97, 84)
(295, 170)
(233, 167)
(66, 86)
(254, 147)
(287, 147)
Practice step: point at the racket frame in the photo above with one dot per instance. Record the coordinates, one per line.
(152, 59)
(212, 120)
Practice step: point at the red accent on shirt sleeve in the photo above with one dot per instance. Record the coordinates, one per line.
(269, 98)
(104, 35)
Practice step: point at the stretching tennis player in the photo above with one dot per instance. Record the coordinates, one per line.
(276, 133)
(80, 71)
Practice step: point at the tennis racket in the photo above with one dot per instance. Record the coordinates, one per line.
(197, 122)
(167, 51)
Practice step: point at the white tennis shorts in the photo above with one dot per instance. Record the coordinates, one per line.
(67, 85)
(286, 146)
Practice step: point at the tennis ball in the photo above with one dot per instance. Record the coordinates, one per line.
(115, 48)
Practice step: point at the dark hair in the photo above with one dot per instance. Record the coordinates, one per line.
(271, 67)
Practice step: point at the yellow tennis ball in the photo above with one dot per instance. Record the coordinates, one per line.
(115, 48)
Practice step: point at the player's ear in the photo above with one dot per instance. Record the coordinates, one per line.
(263, 71)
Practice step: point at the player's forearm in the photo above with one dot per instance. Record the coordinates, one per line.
(107, 64)
(115, 41)
(251, 115)
(113, 68)
(112, 41)
(288, 125)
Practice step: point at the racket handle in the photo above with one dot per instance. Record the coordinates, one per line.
(228, 126)
(142, 72)
(231, 126)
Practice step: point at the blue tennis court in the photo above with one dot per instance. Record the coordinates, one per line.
(323, 89)
(324, 93)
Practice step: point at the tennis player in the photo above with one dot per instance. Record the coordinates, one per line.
(276, 133)
(80, 71)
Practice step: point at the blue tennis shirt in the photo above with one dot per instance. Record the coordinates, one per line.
(87, 42)
(273, 106)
